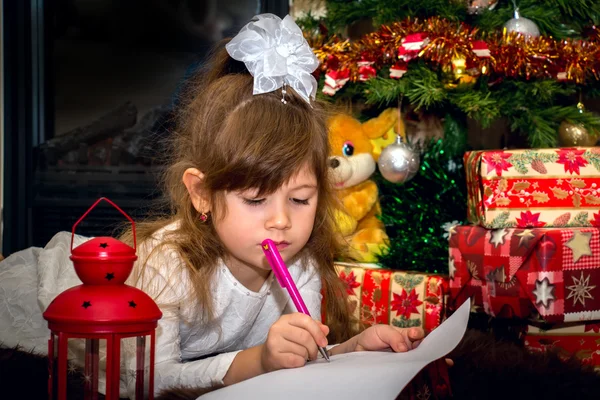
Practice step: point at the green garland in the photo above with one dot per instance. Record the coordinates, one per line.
(416, 214)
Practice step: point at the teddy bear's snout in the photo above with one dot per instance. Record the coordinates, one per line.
(334, 163)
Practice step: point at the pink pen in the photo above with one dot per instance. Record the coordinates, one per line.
(285, 280)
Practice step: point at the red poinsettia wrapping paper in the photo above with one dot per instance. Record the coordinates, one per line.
(553, 273)
(403, 299)
(534, 188)
(581, 340)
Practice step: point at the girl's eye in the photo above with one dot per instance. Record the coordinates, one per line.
(303, 202)
(253, 202)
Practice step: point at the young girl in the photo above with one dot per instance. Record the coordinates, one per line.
(249, 162)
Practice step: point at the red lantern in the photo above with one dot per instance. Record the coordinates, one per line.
(102, 311)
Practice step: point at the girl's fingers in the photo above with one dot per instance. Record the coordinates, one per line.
(324, 328)
(416, 334)
(299, 337)
(290, 350)
(412, 336)
(305, 322)
(394, 338)
(401, 339)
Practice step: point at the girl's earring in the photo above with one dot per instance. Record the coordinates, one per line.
(203, 217)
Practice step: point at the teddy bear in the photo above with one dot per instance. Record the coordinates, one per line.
(355, 148)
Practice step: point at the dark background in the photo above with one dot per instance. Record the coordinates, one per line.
(107, 73)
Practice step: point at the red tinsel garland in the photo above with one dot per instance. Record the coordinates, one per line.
(510, 54)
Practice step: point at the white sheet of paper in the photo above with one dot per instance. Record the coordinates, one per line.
(351, 376)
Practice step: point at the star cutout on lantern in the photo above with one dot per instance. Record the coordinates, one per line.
(526, 235)
(132, 304)
(580, 244)
(71, 368)
(131, 375)
(580, 290)
(104, 245)
(544, 292)
(86, 304)
(498, 235)
(451, 268)
(109, 276)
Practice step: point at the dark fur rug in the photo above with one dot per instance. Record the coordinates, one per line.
(484, 368)
(487, 368)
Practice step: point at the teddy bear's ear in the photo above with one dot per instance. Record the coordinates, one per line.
(340, 128)
(378, 126)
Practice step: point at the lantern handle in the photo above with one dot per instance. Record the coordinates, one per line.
(115, 206)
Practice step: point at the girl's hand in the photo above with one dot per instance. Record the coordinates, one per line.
(381, 337)
(291, 341)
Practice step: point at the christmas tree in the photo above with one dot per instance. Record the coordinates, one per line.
(529, 67)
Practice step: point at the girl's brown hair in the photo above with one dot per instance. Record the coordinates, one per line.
(243, 141)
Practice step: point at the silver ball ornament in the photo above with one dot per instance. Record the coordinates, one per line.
(398, 162)
(522, 25)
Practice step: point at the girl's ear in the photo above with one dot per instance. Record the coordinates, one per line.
(192, 179)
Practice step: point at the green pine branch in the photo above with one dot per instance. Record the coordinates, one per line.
(421, 86)
(476, 104)
(341, 13)
(546, 18)
(557, 18)
(533, 109)
(385, 91)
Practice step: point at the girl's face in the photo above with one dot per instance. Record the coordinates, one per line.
(286, 216)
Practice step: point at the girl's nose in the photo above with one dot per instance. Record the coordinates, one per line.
(279, 219)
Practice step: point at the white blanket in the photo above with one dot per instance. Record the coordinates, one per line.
(29, 281)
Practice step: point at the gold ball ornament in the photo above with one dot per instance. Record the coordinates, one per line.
(457, 73)
(573, 135)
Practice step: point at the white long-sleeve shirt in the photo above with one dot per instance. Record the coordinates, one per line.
(242, 319)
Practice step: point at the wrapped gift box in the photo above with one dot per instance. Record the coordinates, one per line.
(514, 272)
(403, 299)
(580, 340)
(534, 188)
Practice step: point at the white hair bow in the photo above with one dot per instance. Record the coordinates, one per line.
(276, 54)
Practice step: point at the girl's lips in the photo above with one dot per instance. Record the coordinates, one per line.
(282, 245)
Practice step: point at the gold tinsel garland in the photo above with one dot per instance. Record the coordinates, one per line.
(510, 54)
